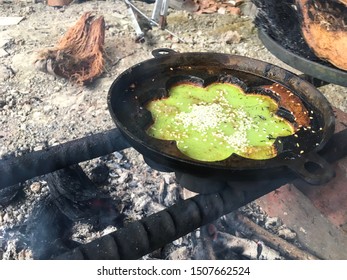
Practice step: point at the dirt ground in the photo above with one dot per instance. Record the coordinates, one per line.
(39, 110)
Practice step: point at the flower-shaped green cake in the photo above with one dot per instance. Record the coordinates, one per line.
(211, 123)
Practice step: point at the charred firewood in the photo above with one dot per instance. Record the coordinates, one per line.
(8, 194)
(73, 197)
(79, 55)
(77, 197)
(49, 230)
(247, 248)
(263, 238)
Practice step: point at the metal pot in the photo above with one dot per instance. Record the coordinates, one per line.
(148, 80)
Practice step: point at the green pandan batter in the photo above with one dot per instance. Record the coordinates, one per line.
(210, 124)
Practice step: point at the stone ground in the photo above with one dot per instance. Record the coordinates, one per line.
(38, 110)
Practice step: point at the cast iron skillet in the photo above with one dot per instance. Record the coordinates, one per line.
(149, 80)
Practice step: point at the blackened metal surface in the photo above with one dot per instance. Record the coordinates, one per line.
(312, 68)
(148, 80)
(18, 169)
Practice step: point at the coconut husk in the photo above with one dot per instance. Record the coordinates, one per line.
(324, 28)
(79, 54)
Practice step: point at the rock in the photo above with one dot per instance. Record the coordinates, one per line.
(5, 73)
(272, 222)
(231, 37)
(2, 103)
(286, 234)
(23, 63)
(181, 253)
(3, 53)
(7, 218)
(20, 218)
(124, 178)
(35, 187)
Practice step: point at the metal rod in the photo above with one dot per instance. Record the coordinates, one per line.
(159, 13)
(139, 33)
(156, 10)
(153, 232)
(19, 169)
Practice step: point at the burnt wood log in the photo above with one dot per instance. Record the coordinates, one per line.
(286, 249)
(79, 199)
(73, 197)
(8, 194)
(48, 230)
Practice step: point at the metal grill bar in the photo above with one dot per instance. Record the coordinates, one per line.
(19, 169)
(148, 234)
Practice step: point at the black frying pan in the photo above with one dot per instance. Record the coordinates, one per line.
(149, 80)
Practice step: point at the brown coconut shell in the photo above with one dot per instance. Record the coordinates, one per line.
(79, 54)
(324, 29)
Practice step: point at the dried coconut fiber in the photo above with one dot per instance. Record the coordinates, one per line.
(79, 55)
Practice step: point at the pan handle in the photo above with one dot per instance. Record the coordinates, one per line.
(162, 51)
(312, 168)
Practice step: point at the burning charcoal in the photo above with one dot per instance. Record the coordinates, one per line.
(78, 198)
(10, 251)
(99, 174)
(259, 249)
(71, 183)
(126, 165)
